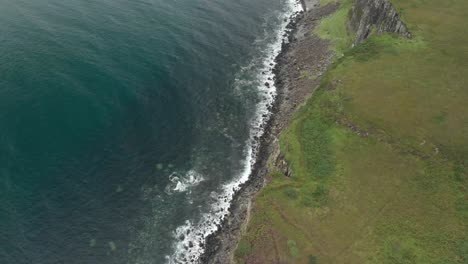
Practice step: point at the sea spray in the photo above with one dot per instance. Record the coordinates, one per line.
(183, 183)
(191, 236)
(102, 111)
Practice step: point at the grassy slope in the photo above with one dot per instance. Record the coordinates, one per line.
(378, 154)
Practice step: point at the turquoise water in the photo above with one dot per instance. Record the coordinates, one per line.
(122, 122)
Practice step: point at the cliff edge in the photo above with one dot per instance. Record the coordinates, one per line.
(374, 15)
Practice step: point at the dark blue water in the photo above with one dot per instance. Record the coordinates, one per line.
(121, 121)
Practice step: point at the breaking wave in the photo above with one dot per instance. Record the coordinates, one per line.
(191, 236)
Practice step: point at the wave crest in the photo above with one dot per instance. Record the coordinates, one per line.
(183, 183)
(191, 236)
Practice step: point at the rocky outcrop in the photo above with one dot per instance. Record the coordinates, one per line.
(304, 52)
(375, 15)
(282, 165)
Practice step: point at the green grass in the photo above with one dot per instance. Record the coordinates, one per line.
(377, 200)
(379, 154)
(409, 94)
(293, 250)
(243, 248)
(333, 27)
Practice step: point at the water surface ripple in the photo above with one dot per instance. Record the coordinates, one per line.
(123, 122)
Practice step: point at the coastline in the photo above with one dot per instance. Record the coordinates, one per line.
(304, 51)
(385, 192)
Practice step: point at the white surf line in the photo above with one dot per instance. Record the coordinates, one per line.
(190, 237)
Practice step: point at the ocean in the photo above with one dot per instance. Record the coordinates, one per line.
(127, 126)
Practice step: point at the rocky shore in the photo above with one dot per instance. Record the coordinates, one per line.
(298, 71)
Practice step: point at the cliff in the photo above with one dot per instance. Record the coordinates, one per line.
(375, 159)
(379, 15)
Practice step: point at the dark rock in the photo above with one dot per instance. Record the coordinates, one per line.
(219, 246)
(379, 14)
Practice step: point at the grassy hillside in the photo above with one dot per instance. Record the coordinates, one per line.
(379, 154)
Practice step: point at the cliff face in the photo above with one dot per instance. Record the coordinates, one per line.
(378, 15)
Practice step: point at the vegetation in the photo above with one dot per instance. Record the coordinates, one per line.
(333, 27)
(378, 153)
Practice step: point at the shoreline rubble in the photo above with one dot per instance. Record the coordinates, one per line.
(301, 51)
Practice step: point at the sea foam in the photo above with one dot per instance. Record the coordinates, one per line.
(191, 236)
(183, 183)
